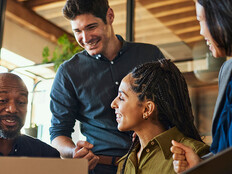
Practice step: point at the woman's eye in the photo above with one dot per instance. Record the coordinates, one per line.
(120, 98)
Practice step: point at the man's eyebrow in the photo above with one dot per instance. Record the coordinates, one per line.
(24, 94)
(87, 26)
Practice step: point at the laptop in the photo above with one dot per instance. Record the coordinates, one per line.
(218, 164)
(31, 165)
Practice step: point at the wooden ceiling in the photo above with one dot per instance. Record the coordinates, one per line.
(159, 22)
(177, 15)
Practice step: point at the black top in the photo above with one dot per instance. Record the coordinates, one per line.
(83, 90)
(31, 147)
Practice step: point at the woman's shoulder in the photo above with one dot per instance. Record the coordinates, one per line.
(199, 147)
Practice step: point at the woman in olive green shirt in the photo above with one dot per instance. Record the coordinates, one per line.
(153, 101)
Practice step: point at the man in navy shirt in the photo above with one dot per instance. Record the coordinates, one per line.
(13, 109)
(85, 86)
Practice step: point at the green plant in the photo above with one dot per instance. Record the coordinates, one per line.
(63, 51)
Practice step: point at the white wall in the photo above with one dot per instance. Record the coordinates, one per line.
(24, 42)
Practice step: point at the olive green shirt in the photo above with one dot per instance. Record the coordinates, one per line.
(156, 157)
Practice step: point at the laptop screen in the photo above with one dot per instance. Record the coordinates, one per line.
(218, 164)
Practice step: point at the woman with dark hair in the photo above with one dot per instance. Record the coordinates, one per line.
(215, 17)
(153, 101)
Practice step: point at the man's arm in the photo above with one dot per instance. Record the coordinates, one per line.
(64, 145)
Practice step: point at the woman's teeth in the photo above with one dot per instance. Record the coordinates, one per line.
(208, 43)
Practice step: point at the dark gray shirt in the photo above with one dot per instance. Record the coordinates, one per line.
(83, 90)
(31, 147)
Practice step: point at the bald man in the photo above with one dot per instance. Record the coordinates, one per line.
(13, 109)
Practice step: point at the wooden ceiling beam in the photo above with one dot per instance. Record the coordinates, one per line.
(193, 39)
(188, 35)
(38, 3)
(173, 12)
(171, 7)
(152, 3)
(159, 3)
(180, 21)
(193, 43)
(34, 22)
(187, 30)
(175, 18)
(182, 25)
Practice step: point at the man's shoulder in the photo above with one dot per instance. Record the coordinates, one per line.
(143, 49)
(76, 57)
(140, 44)
(35, 147)
(76, 61)
(25, 139)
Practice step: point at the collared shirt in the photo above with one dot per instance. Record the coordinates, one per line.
(31, 147)
(83, 90)
(156, 157)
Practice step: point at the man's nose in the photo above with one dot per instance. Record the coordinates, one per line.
(11, 107)
(85, 36)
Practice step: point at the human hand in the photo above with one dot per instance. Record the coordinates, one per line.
(83, 150)
(183, 157)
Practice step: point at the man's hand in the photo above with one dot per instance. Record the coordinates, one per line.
(183, 157)
(83, 150)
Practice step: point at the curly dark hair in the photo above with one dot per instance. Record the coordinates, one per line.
(97, 8)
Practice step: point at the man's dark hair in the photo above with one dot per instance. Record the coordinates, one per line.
(218, 16)
(97, 8)
(163, 83)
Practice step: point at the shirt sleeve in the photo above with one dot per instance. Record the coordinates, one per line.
(63, 106)
(222, 138)
(227, 114)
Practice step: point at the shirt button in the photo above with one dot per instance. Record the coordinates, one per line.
(116, 83)
(152, 143)
(112, 62)
(147, 150)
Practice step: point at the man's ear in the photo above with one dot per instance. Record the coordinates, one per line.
(110, 16)
(149, 108)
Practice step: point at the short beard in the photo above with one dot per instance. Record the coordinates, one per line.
(11, 134)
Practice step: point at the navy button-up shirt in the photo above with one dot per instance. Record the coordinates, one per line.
(83, 90)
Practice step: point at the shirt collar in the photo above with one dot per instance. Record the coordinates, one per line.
(164, 140)
(15, 147)
(122, 50)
